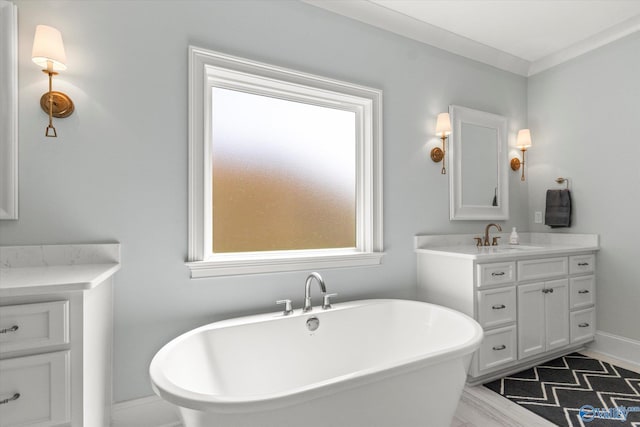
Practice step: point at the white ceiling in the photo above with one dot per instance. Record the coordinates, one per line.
(521, 36)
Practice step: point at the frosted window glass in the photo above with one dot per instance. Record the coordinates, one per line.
(284, 174)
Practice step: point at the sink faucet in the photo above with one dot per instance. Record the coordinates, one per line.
(307, 290)
(486, 235)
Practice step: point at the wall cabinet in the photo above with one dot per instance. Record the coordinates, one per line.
(531, 307)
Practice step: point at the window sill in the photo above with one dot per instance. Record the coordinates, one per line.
(231, 265)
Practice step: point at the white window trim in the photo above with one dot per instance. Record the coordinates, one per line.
(209, 69)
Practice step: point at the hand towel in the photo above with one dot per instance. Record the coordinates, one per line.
(558, 211)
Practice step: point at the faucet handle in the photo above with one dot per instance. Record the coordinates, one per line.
(495, 241)
(326, 304)
(287, 306)
(478, 241)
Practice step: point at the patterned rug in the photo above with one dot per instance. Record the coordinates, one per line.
(576, 390)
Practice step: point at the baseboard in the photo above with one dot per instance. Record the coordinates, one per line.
(145, 412)
(617, 347)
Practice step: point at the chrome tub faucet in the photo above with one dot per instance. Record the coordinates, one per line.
(307, 290)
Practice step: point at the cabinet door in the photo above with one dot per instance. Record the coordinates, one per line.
(531, 319)
(557, 313)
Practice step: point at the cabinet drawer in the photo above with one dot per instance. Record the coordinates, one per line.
(497, 306)
(496, 273)
(582, 292)
(583, 325)
(534, 269)
(497, 348)
(582, 264)
(37, 388)
(30, 326)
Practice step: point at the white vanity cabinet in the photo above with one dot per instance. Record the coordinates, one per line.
(533, 303)
(56, 335)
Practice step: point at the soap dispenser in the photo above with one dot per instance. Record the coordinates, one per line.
(513, 238)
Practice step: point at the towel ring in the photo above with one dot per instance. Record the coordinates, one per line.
(561, 180)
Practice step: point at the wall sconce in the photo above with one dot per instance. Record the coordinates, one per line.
(48, 52)
(443, 129)
(523, 141)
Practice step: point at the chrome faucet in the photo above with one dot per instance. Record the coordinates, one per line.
(307, 290)
(486, 235)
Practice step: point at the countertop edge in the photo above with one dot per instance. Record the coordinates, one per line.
(55, 286)
(508, 255)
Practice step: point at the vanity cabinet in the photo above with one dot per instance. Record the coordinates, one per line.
(56, 339)
(532, 304)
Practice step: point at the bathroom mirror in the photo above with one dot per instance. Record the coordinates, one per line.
(8, 111)
(478, 181)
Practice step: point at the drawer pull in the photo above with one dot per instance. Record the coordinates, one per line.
(583, 325)
(584, 291)
(11, 329)
(547, 291)
(583, 264)
(11, 399)
(499, 347)
(499, 306)
(499, 273)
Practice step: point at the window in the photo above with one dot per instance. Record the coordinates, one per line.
(285, 169)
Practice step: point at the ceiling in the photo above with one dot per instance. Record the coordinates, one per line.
(521, 36)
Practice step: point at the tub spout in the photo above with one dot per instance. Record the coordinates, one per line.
(307, 290)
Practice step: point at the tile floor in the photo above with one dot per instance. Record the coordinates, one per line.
(480, 407)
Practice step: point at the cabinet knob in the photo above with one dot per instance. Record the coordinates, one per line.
(499, 347)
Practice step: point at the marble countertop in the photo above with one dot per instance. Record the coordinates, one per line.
(28, 270)
(536, 244)
(57, 278)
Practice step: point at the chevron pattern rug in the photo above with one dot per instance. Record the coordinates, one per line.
(576, 390)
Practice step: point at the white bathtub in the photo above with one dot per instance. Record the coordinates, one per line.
(386, 363)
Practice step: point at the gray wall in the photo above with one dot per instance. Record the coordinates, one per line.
(585, 121)
(118, 170)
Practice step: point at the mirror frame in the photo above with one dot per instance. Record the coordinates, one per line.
(9, 101)
(457, 210)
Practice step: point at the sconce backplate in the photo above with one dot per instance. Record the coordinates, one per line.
(515, 164)
(62, 104)
(437, 154)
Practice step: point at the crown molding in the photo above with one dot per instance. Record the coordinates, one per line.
(398, 23)
(600, 39)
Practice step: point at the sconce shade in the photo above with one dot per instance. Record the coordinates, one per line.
(443, 124)
(47, 46)
(524, 139)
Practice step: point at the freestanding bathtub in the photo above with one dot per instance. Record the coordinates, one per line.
(369, 363)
